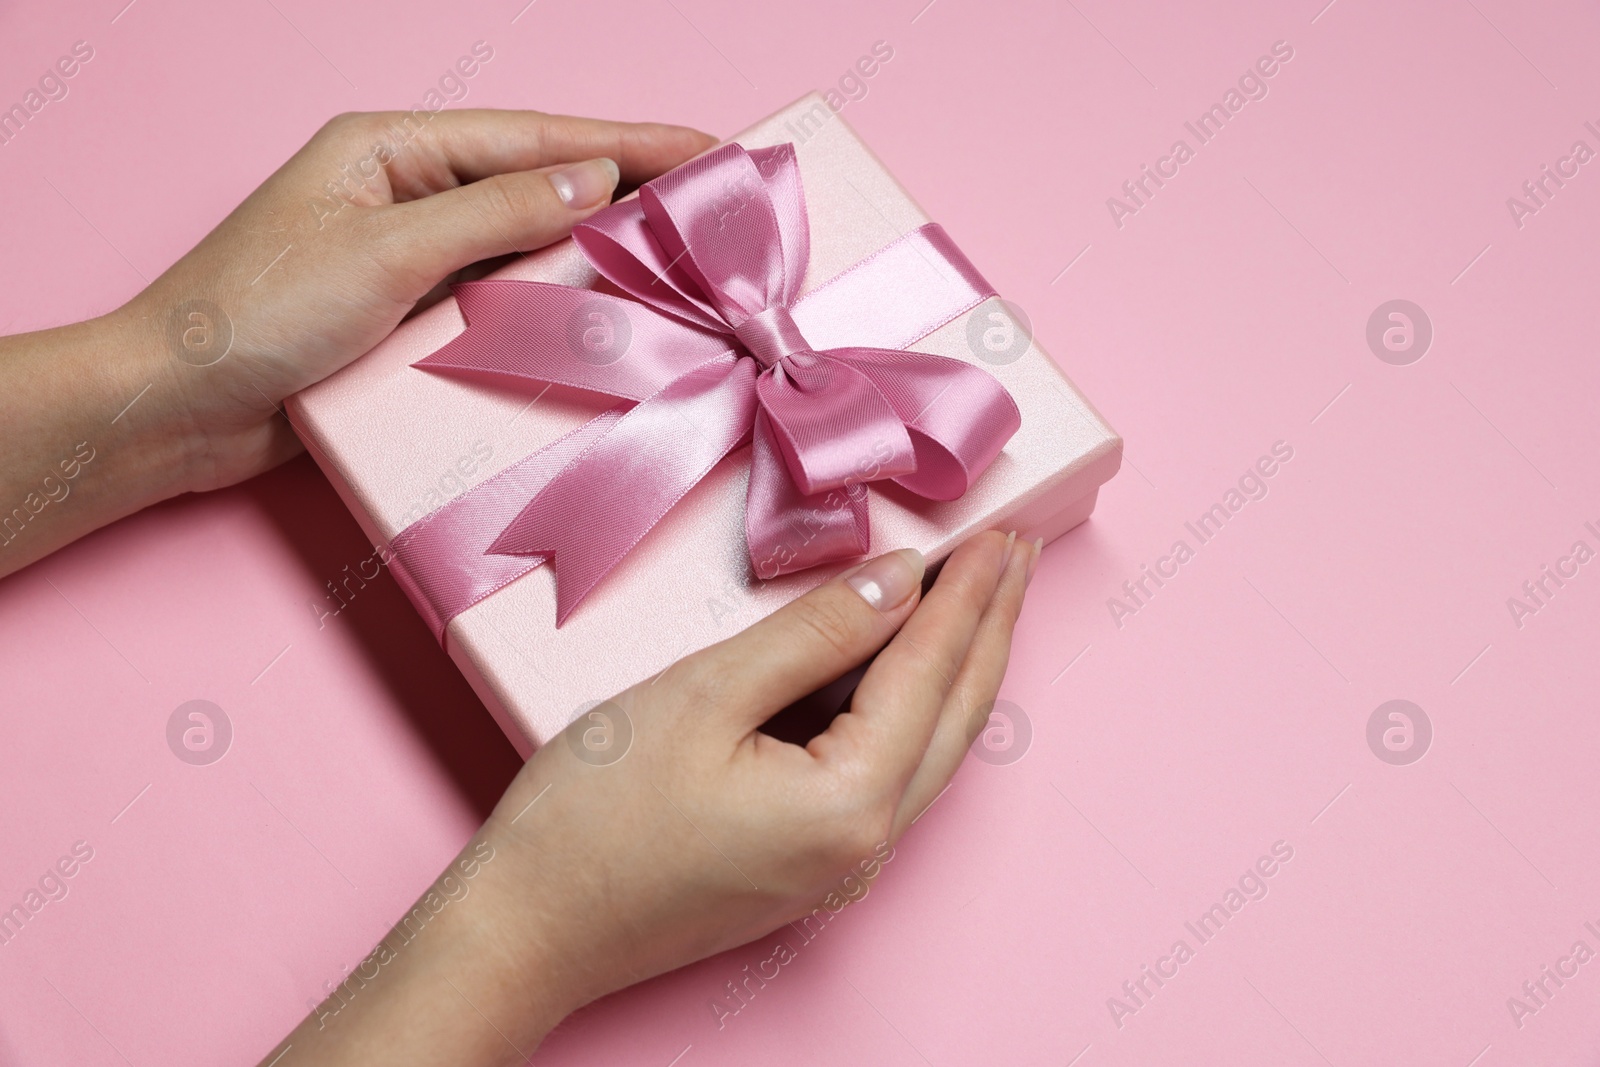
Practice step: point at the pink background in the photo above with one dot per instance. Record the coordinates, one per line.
(1167, 754)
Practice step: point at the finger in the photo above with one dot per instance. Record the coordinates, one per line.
(458, 147)
(892, 715)
(519, 212)
(967, 705)
(813, 640)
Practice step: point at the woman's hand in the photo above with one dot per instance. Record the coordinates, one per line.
(181, 389)
(324, 260)
(595, 872)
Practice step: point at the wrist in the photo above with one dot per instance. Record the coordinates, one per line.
(454, 981)
(211, 423)
(89, 433)
(153, 423)
(522, 922)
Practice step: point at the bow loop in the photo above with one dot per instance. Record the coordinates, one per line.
(958, 416)
(620, 245)
(699, 242)
(832, 425)
(715, 214)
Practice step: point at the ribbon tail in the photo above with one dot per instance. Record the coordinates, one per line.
(440, 559)
(605, 500)
(540, 332)
(788, 530)
(959, 416)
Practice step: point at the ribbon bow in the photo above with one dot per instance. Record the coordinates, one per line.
(715, 347)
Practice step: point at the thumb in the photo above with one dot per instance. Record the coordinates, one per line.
(812, 641)
(500, 214)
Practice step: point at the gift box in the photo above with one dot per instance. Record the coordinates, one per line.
(413, 450)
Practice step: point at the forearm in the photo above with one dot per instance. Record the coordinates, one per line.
(87, 433)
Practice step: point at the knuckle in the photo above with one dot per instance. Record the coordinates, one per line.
(828, 622)
(390, 248)
(700, 680)
(344, 125)
(977, 718)
(374, 230)
(513, 198)
(973, 585)
(1013, 603)
(852, 827)
(948, 667)
(976, 591)
(937, 665)
(863, 834)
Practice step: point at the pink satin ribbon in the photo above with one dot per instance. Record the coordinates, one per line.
(713, 350)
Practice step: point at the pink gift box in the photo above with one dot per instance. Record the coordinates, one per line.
(398, 442)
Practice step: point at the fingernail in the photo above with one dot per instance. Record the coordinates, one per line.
(1005, 557)
(888, 581)
(586, 185)
(1033, 564)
